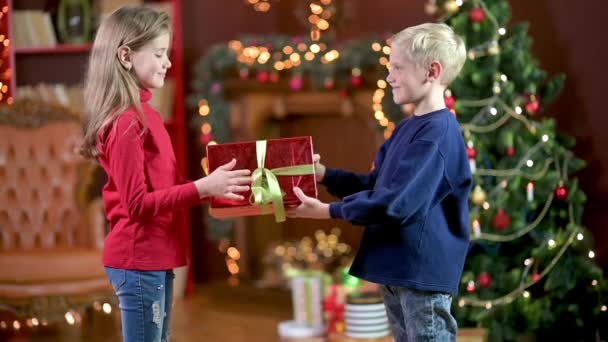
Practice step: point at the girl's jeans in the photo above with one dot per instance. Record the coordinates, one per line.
(145, 303)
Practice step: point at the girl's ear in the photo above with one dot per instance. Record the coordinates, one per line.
(435, 71)
(124, 57)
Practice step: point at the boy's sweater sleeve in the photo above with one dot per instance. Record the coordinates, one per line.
(341, 183)
(127, 166)
(413, 186)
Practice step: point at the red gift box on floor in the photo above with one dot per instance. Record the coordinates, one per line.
(277, 166)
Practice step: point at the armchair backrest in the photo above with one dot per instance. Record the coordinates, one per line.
(40, 175)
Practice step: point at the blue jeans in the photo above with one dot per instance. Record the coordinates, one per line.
(145, 299)
(417, 316)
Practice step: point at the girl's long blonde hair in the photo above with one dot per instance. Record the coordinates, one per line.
(109, 88)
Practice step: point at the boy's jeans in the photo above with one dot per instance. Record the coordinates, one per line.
(417, 316)
(145, 303)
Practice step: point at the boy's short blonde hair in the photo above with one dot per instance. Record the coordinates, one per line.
(426, 43)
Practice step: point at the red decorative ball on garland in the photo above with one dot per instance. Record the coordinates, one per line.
(510, 151)
(216, 87)
(501, 220)
(274, 77)
(561, 192)
(477, 14)
(471, 152)
(356, 81)
(296, 83)
(535, 277)
(263, 76)
(206, 138)
(244, 73)
(484, 280)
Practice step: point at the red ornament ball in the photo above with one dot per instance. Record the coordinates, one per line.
(471, 152)
(477, 14)
(532, 107)
(450, 102)
(484, 280)
(561, 193)
(535, 277)
(501, 220)
(510, 151)
(471, 286)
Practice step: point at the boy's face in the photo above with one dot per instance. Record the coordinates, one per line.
(408, 80)
(151, 62)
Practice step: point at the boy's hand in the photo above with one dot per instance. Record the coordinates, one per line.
(224, 182)
(319, 168)
(309, 208)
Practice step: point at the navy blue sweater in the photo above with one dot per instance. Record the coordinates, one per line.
(414, 205)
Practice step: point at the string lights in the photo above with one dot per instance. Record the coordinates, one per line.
(388, 126)
(321, 13)
(6, 73)
(521, 290)
(260, 5)
(71, 315)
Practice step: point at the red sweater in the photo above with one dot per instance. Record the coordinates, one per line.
(141, 193)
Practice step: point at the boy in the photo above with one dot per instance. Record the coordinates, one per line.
(414, 204)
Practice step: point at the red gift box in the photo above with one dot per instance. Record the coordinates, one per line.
(279, 153)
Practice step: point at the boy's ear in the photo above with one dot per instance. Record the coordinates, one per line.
(435, 71)
(124, 57)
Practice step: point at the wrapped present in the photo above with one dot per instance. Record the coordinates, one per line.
(291, 331)
(277, 165)
(333, 305)
(307, 293)
(365, 316)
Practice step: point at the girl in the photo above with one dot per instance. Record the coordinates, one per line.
(128, 137)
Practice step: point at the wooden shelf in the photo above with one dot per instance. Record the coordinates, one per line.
(57, 49)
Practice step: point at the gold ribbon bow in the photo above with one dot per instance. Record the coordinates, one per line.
(265, 187)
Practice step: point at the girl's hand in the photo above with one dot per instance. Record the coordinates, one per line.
(224, 182)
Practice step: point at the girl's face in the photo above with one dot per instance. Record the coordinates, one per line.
(151, 62)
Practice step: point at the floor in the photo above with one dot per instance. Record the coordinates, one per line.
(215, 313)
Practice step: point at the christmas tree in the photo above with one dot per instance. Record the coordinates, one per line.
(531, 267)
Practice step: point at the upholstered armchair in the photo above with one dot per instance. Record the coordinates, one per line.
(51, 232)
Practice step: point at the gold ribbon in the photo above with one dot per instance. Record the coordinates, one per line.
(265, 187)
